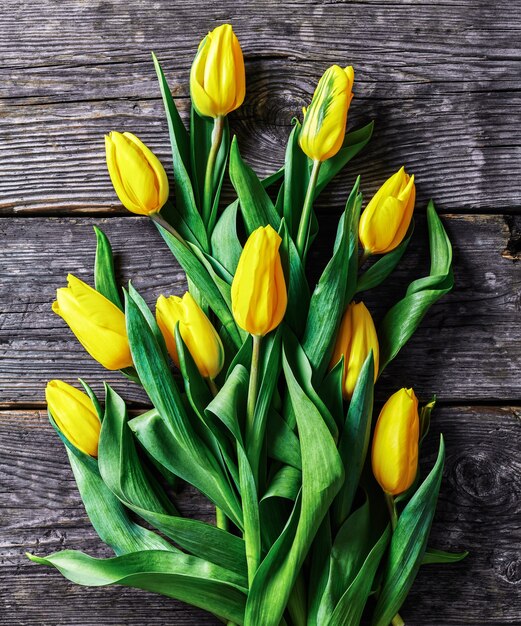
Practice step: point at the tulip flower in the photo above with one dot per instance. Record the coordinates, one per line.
(97, 323)
(75, 415)
(356, 338)
(138, 177)
(324, 125)
(388, 215)
(197, 332)
(395, 443)
(259, 297)
(217, 77)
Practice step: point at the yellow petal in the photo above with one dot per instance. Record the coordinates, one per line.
(75, 415)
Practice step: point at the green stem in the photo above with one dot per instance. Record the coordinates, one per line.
(217, 135)
(393, 514)
(363, 258)
(221, 521)
(303, 227)
(253, 388)
(391, 505)
(158, 219)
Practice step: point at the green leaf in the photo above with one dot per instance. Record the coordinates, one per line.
(192, 461)
(354, 441)
(405, 316)
(200, 275)
(270, 368)
(350, 548)
(408, 545)
(327, 302)
(186, 217)
(440, 556)
(350, 607)
(331, 390)
(297, 284)
(104, 275)
(226, 247)
(285, 484)
(322, 475)
(149, 318)
(94, 399)
(283, 444)
(383, 267)
(172, 574)
(107, 515)
(303, 373)
(256, 205)
(353, 144)
(296, 178)
(228, 405)
(119, 463)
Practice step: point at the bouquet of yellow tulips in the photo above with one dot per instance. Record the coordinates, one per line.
(261, 384)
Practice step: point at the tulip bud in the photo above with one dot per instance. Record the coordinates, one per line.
(198, 333)
(217, 77)
(97, 323)
(356, 338)
(75, 415)
(324, 125)
(259, 297)
(388, 215)
(138, 177)
(395, 443)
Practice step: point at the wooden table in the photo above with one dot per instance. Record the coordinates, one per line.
(441, 79)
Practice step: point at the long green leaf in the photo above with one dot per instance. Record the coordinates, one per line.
(404, 317)
(350, 548)
(354, 440)
(327, 302)
(296, 178)
(192, 461)
(256, 206)
(348, 611)
(408, 545)
(186, 217)
(107, 515)
(322, 475)
(171, 574)
(104, 275)
(199, 274)
(226, 247)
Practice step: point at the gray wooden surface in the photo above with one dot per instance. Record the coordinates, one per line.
(441, 79)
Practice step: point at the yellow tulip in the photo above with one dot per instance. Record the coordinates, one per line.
(259, 297)
(198, 333)
(388, 215)
(97, 323)
(75, 415)
(324, 125)
(395, 443)
(356, 337)
(138, 177)
(217, 77)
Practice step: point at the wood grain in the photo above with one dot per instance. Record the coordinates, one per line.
(479, 509)
(446, 356)
(441, 85)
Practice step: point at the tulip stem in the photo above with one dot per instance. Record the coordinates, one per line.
(156, 217)
(217, 135)
(363, 258)
(254, 382)
(304, 225)
(391, 505)
(221, 521)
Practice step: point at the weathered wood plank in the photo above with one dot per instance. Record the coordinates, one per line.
(468, 347)
(479, 509)
(442, 88)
